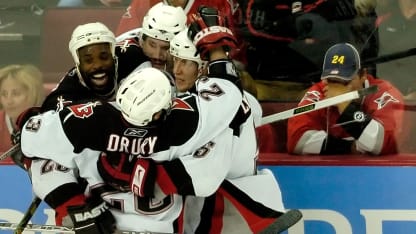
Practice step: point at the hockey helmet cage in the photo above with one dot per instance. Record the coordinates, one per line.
(182, 47)
(142, 94)
(90, 33)
(162, 22)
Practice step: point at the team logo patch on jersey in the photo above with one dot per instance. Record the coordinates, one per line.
(135, 132)
(312, 96)
(127, 14)
(359, 116)
(61, 103)
(125, 44)
(385, 98)
(83, 110)
(233, 6)
(181, 104)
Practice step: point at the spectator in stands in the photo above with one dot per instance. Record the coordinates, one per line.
(370, 125)
(397, 27)
(287, 41)
(21, 87)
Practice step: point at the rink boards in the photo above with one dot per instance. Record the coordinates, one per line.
(337, 194)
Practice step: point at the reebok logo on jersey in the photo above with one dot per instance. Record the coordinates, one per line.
(93, 213)
(135, 132)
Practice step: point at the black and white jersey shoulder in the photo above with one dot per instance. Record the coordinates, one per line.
(130, 55)
(69, 91)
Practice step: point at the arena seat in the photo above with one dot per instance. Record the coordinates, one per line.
(280, 133)
(57, 27)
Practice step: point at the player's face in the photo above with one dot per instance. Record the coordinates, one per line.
(185, 72)
(157, 51)
(97, 67)
(14, 97)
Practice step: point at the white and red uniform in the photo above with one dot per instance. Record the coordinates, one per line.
(196, 148)
(137, 9)
(374, 128)
(133, 17)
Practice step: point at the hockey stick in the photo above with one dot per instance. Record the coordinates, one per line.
(28, 215)
(284, 222)
(390, 57)
(9, 152)
(318, 105)
(60, 229)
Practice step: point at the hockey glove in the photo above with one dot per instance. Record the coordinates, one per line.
(115, 168)
(94, 217)
(21, 120)
(18, 158)
(208, 30)
(143, 178)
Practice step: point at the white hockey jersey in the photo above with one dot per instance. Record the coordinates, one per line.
(207, 137)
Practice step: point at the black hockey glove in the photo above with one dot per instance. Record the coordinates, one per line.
(17, 156)
(143, 178)
(21, 120)
(92, 218)
(208, 30)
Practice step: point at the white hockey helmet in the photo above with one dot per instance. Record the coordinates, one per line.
(88, 34)
(162, 22)
(142, 94)
(182, 47)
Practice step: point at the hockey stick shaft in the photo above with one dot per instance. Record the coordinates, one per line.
(28, 215)
(318, 105)
(390, 57)
(10, 152)
(60, 229)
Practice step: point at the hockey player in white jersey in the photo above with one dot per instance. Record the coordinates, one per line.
(186, 175)
(188, 67)
(119, 140)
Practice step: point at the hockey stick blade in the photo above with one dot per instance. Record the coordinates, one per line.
(28, 215)
(318, 105)
(59, 229)
(9, 152)
(284, 222)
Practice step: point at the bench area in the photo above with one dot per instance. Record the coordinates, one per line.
(278, 134)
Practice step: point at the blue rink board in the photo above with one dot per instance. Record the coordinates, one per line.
(349, 191)
(334, 199)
